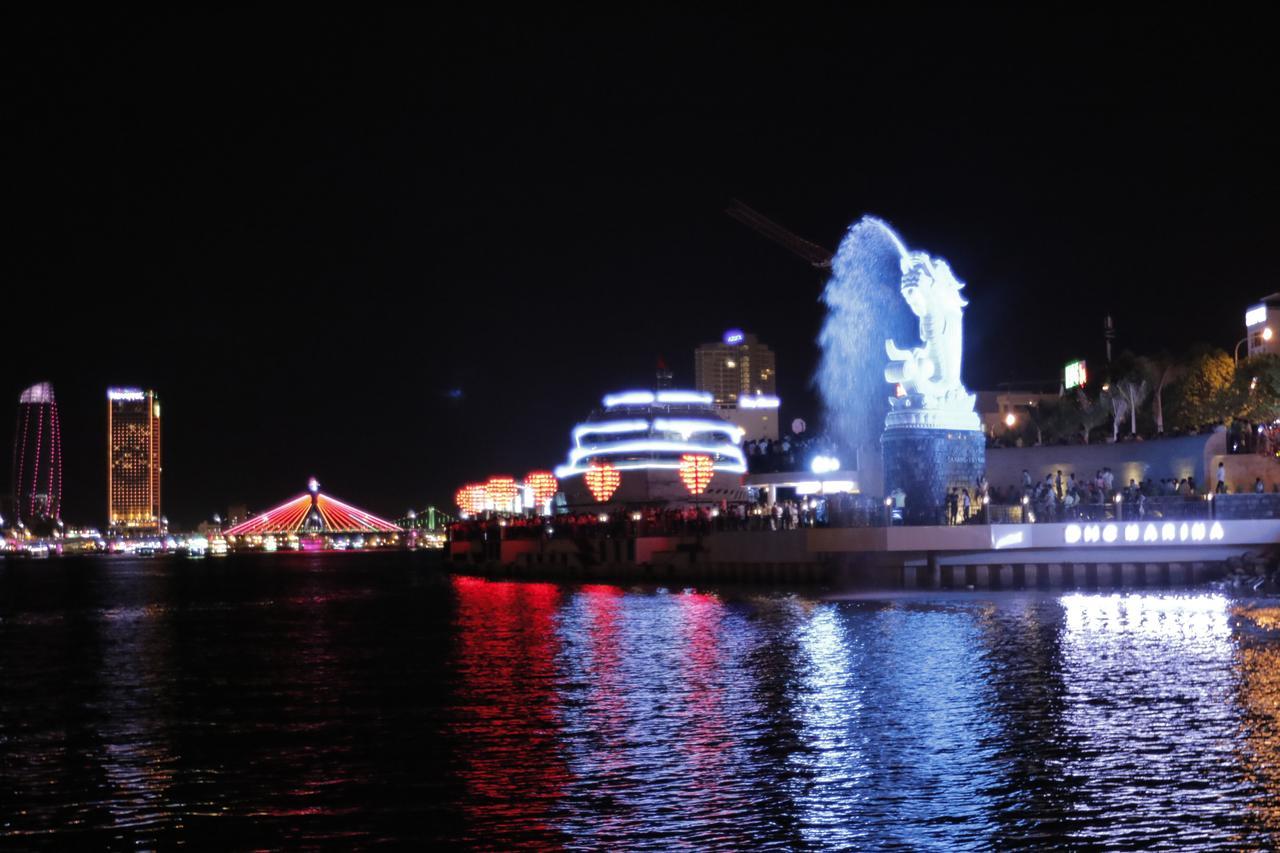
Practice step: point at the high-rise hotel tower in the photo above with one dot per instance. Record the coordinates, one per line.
(37, 459)
(742, 377)
(133, 460)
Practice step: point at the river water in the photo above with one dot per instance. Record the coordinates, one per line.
(347, 700)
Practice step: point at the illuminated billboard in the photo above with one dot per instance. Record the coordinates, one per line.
(1074, 375)
(1255, 316)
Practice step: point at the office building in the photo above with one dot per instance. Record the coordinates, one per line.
(133, 460)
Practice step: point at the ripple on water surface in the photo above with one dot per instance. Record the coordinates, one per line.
(311, 700)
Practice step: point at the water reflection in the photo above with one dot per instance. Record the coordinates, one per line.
(504, 732)
(1151, 686)
(1258, 747)
(332, 704)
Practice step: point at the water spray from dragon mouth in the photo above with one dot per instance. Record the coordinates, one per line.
(864, 308)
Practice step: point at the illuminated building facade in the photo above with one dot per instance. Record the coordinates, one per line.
(133, 459)
(737, 366)
(37, 459)
(1262, 326)
(741, 375)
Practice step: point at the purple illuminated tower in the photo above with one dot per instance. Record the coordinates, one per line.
(37, 458)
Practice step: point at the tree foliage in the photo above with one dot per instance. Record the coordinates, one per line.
(1206, 393)
(1087, 414)
(1257, 388)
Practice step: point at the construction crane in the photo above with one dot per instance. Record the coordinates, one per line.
(818, 256)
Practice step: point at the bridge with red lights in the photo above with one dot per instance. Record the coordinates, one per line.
(314, 515)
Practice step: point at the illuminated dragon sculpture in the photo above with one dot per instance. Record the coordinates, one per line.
(929, 375)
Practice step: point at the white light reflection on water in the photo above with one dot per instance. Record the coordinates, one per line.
(1150, 684)
(829, 706)
(899, 741)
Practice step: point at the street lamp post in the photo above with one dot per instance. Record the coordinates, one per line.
(1267, 334)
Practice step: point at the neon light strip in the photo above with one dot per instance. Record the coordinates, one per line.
(55, 460)
(286, 516)
(607, 428)
(357, 518)
(656, 446)
(688, 426)
(565, 471)
(648, 398)
(628, 398)
(699, 397)
(759, 401)
(35, 469)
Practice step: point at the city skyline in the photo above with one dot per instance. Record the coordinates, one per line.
(393, 307)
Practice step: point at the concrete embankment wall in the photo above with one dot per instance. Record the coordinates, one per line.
(846, 558)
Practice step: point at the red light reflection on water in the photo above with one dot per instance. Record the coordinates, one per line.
(609, 694)
(706, 730)
(504, 714)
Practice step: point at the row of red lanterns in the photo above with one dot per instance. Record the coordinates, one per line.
(602, 478)
(501, 491)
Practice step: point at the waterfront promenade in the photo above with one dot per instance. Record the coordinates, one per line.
(1106, 549)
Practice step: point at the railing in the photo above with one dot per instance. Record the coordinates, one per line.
(864, 511)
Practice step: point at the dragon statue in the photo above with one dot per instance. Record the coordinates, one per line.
(929, 375)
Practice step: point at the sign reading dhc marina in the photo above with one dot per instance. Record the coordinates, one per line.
(1143, 533)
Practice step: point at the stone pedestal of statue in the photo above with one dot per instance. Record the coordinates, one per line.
(927, 452)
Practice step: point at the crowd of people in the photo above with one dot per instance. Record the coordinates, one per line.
(690, 520)
(1062, 496)
(789, 453)
(1245, 437)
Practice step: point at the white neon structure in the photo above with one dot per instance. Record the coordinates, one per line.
(629, 398)
(649, 398)
(132, 394)
(695, 398)
(759, 401)
(736, 465)
(637, 444)
(608, 428)
(691, 426)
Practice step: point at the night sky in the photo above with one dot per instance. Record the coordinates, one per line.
(403, 253)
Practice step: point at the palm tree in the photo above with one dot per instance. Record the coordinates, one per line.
(1161, 370)
(1119, 406)
(1133, 391)
(1088, 413)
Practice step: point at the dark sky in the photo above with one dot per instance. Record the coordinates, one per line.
(304, 231)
